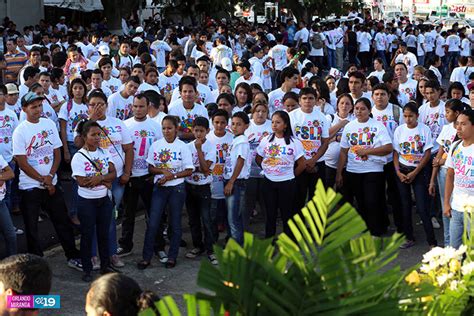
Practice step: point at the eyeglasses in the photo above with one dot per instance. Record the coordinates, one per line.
(96, 104)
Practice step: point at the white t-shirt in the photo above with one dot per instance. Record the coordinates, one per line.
(82, 167)
(36, 141)
(378, 74)
(408, 88)
(461, 74)
(421, 44)
(440, 43)
(168, 84)
(8, 123)
(159, 118)
(435, 119)
(465, 47)
(310, 129)
(143, 135)
(204, 92)
(119, 107)
(315, 51)
(278, 53)
(370, 134)
(113, 84)
(187, 116)
(222, 145)
(412, 143)
(453, 41)
(255, 133)
(252, 79)
(240, 147)
(461, 162)
(175, 157)
(15, 107)
(380, 41)
(117, 135)
(160, 48)
(53, 96)
(446, 138)
(387, 118)
(3, 187)
(209, 152)
(73, 116)
(279, 159)
(275, 99)
(409, 59)
(48, 112)
(331, 156)
(364, 40)
(146, 87)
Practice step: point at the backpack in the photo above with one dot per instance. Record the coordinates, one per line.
(316, 41)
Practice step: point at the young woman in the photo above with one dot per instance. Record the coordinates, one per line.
(282, 158)
(459, 177)
(94, 172)
(412, 151)
(378, 69)
(331, 82)
(243, 96)
(456, 91)
(364, 145)
(259, 128)
(290, 101)
(70, 114)
(169, 159)
(418, 72)
(435, 63)
(420, 91)
(236, 173)
(345, 107)
(447, 136)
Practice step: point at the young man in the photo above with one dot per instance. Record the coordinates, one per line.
(30, 76)
(243, 68)
(311, 127)
(407, 58)
(160, 48)
(151, 80)
(144, 131)
(278, 54)
(52, 96)
(222, 79)
(36, 147)
(120, 103)
(12, 98)
(14, 61)
(123, 58)
(97, 82)
(204, 93)
(168, 80)
(187, 110)
(406, 85)
(105, 65)
(356, 82)
(33, 61)
(289, 77)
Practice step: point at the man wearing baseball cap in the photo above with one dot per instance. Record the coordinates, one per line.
(12, 98)
(37, 150)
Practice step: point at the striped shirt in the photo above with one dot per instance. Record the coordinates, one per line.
(14, 62)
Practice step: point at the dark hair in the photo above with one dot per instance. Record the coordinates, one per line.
(247, 89)
(342, 86)
(288, 72)
(308, 90)
(290, 95)
(97, 72)
(380, 86)
(126, 69)
(470, 114)
(155, 98)
(81, 82)
(220, 112)
(358, 75)
(344, 95)
(140, 66)
(35, 86)
(45, 74)
(105, 61)
(173, 119)
(84, 126)
(3, 89)
(433, 85)
(243, 116)
(223, 71)
(373, 81)
(256, 86)
(455, 86)
(26, 274)
(149, 70)
(134, 79)
(115, 293)
(97, 93)
(30, 72)
(366, 102)
(287, 133)
(189, 81)
(142, 95)
(456, 105)
(411, 106)
(201, 121)
(322, 88)
(228, 97)
(56, 73)
(147, 300)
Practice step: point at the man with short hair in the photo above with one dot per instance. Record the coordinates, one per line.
(30, 76)
(404, 56)
(120, 103)
(14, 61)
(97, 82)
(289, 77)
(23, 274)
(243, 68)
(33, 61)
(356, 82)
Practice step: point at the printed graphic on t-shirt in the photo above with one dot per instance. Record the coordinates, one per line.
(432, 121)
(40, 149)
(364, 138)
(412, 150)
(140, 148)
(276, 160)
(105, 139)
(6, 130)
(463, 170)
(310, 136)
(218, 171)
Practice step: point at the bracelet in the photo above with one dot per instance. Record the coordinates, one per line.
(49, 174)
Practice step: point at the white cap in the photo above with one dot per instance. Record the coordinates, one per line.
(226, 63)
(62, 17)
(139, 29)
(104, 50)
(137, 39)
(11, 88)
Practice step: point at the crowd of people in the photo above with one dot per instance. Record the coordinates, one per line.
(228, 119)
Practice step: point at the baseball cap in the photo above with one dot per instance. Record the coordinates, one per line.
(12, 88)
(104, 50)
(226, 63)
(30, 97)
(137, 40)
(62, 17)
(139, 29)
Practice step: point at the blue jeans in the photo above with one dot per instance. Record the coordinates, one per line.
(174, 196)
(235, 209)
(441, 182)
(452, 60)
(421, 60)
(456, 228)
(12, 199)
(198, 205)
(74, 196)
(331, 58)
(381, 55)
(95, 216)
(7, 229)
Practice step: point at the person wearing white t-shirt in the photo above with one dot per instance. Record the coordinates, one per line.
(420, 47)
(97, 82)
(311, 127)
(246, 76)
(168, 80)
(94, 171)
(151, 81)
(381, 45)
(289, 79)
(365, 143)
(236, 173)
(204, 94)
(120, 103)
(278, 54)
(364, 39)
(54, 99)
(462, 72)
(465, 46)
(356, 82)
(7, 230)
(405, 57)
(453, 42)
(160, 48)
(378, 69)
(406, 85)
(144, 132)
(460, 177)
(36, 147)
(105, 64)
(412, 145)
(170, 161)
(198, 192)
(281, 157)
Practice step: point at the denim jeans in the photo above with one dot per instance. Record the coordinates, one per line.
(198, 205)
(74, 196)
(381, 55)
(31, 202)
(174, 196)
(419, 186)
(339, 57)
(452, 60)
(12, 199)
(219, 207)
(7, 229)
(331, 58)
(95, 216)
(421, 60)
(456, 228)
(254, 194)
(441, 182)
(235, 208)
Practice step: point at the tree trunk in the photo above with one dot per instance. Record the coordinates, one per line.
(112, 11)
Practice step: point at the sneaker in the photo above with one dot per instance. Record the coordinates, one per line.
(19, 231)
(212, 258)
(435, 223)
(75, 264)
(116, 262)
(122, 252)
(95, 263)
(163, 256)
(407, 244)
(196, 252)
